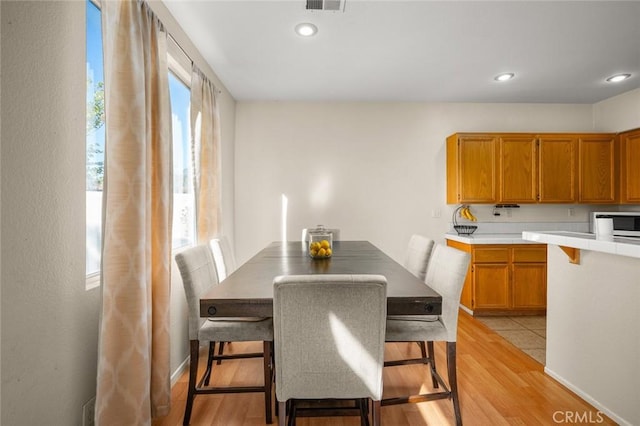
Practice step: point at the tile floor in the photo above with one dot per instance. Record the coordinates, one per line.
(528, 333)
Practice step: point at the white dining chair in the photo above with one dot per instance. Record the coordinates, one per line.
(223, 256)
(418, 254)
(225, 263)
(446, 274)
(329, 340)
(198, 271)
(416, 261)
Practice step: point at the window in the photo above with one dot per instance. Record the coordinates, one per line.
(94, 140)
(183, 197)
(180, 94)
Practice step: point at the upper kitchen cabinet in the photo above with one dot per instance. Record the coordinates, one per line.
(597, 168)
(537, 168)
(557, 168)
(472, 168)
(518, 169)
(630, 167)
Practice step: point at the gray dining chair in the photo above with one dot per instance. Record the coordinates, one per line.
(198, 271)
(223, 256)
(418, 254)
(225, 263)
(416, 261)
(329, 340)
(446, 275)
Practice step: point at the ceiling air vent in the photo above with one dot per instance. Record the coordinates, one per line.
(325, 4)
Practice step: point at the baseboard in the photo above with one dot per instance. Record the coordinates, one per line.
(467, 310)
(181, 369)
(588, 398)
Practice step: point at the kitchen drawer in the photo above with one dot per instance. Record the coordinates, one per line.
(529, 254)
(491, 255)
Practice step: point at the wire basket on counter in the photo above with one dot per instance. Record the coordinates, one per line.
(465, 229)
(462, 229)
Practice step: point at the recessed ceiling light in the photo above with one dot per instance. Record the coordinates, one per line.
(306, 29)
(504, 76)
(618, 78)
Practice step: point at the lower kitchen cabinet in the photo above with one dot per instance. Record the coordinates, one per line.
(505, 278)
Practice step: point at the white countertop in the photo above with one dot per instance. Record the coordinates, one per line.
(623, 246)
(476, 238)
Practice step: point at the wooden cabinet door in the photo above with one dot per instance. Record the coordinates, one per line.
(630, 167)
(491, 286)
(529, 285)
(596, 164)
(477, 169)
(518, 169)
(557, 169)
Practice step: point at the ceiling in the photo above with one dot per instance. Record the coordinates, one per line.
(422, 51)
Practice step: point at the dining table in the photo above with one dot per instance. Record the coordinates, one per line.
(248, 291)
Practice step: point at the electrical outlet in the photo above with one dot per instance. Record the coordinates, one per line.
(508, 212)
(89, 413)
(571, 212)
(436, 213)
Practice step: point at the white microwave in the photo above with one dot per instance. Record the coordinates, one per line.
(625, 224)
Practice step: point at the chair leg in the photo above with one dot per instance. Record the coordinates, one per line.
(375, 413)
(432, 357)
(282, 415)
(193, 377)
(220, 351)
(423, 349)
(207, 373)
(453, 382)
(267, 380)
(364, 411)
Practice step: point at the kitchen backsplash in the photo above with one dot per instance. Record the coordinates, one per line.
(518, 227)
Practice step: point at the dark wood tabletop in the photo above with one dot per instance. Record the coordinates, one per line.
(248, 291)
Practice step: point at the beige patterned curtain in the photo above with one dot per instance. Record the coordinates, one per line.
(205, 133)
(133, 355)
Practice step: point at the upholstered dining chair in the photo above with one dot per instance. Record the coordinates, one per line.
(223, 256)
(446, 275)
(416, 261)
(198, 271)
(418, 254)
(225, 263)
(329, 340)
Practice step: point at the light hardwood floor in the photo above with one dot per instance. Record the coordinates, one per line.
(498, 384)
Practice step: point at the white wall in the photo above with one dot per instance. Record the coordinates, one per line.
(593, 339)
(374, 170)
(49, 321)
(619, 113)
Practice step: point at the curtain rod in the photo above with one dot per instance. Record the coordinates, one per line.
(215, 88)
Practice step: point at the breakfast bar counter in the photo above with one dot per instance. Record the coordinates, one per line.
(593, 338)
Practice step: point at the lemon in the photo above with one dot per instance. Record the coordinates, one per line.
(324, 244)
(327, 252)
(314, 252)
(322, 252)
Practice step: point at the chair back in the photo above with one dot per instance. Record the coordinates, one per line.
(446, 274)
(329, 336)
(223, 256)
(335, 234)
(417, 257)
(198, 271)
